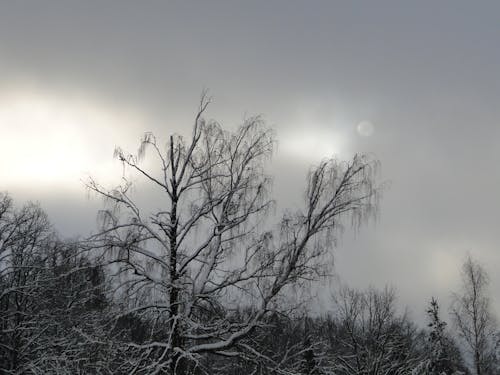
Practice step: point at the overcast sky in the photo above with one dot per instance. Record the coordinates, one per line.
(422, 79)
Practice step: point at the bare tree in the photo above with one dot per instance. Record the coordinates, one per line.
(370, 337)
(209, 248)
(472, 316)
(50, 295)
(24, 235)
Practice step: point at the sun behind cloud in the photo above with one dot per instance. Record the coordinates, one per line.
(53, 140)
(312, 143)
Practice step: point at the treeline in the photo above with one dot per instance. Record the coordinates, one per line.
(58, 316)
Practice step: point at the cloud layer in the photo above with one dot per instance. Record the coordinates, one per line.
(426, 74)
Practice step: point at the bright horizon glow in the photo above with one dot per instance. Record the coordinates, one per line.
(49, 140)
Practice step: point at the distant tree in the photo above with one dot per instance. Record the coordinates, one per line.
(51, 296)
(473, 318)
(25, 235)
(443, 355)
(210, 243)
(71, 301)
(370, 337)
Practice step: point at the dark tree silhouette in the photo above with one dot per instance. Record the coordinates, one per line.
(210, 243)
(50, 295)
(444, 355)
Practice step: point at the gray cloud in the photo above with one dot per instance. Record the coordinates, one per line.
(426, 74)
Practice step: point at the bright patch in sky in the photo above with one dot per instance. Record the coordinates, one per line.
(312, 144)
(444, 266)
(46, 140)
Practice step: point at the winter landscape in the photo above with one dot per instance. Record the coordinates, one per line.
(271, 188)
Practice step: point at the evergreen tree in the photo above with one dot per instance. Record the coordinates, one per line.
(444, 356)
(438, 358)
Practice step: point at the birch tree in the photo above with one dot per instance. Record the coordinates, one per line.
(473, 318)
(210, 246)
